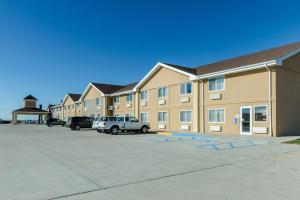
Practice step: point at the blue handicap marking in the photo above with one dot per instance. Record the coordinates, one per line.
(210, 142)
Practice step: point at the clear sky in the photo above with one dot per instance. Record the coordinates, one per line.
(51, 47)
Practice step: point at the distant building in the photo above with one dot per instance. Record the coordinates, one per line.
(30, 108)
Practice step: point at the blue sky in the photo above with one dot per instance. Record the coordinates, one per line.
(51, 47)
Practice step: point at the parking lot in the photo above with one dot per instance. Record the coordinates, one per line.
(37, 162)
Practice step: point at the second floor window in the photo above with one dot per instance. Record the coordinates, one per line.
(185, 88)
(144, 95)
(215, 84)
(117, 100)
(129, 98)
(98, 101)
(86, 103)
(162, 92)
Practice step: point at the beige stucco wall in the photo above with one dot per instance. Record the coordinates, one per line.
(288, 97)
(57, 113)
(93, 109)
(69, 108)
(171, 79)
(241, 89)
(121, 108)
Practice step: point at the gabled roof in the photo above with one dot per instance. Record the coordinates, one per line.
(127, 87)
(186, 69)
(74, 97)
(30, 97)
(180, 69)
(107, 88)
(273, 54)
(104, 89)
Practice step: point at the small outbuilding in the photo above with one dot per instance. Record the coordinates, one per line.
(30, 108)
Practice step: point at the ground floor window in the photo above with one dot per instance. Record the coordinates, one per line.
(144, 117)
(186, 116)
(216, 115)
(260, 113)
(162, 116)
(129, 115)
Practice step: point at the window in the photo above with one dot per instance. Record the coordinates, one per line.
(260, 113)
(185, 88)
(186, 116)
(99, 101)
(162, 92)
(216, 115)
(117, 100)
(129, 115)
(162, 116)
(86, 103)
(215, 84)
(144, 95)
(144, 117)
(129, 98)
(77, 106)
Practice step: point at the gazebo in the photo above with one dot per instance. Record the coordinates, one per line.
(30, 108)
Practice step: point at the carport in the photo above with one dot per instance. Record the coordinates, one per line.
(29, 109)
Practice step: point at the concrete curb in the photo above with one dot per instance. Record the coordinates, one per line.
(164, 133)
(178, 134)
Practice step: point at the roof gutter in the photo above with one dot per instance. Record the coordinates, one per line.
(239, 69)
(120, 93)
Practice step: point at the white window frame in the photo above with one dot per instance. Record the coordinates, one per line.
(214, 109)
(186, 111)
(146, 91)
(215, 78)
(185, 86)
(127, 98)
(146, 114)
(99, 100)
(167, 92)
(267, 113)
(116, 97)
(167, 115)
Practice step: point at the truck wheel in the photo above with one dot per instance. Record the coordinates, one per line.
(77, 127)
(144, 129)
(114, 130)
(99, 130)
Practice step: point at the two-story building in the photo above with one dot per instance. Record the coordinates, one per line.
(96, 100)
(252, 94)
(124, 101)
(71, 106)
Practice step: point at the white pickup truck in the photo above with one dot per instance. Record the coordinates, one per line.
(123, 123)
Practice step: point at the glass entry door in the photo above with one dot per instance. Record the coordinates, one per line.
(246, 120)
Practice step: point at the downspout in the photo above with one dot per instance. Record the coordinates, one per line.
(202, 105)
(270, 101)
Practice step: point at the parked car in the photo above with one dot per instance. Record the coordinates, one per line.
(115, 124)
(76, 123)
(96, 122)
(4, 121)
(55, 121)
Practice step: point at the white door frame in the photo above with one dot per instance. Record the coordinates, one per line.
(241, 120)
